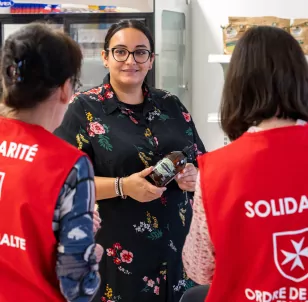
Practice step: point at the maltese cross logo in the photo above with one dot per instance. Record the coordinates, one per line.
(291, 254)
(296, 257)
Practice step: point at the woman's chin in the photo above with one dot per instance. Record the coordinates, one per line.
(132, 78)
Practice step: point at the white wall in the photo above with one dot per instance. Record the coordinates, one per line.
(207, 17)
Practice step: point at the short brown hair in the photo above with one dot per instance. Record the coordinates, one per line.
(267, 77)
(35, 60)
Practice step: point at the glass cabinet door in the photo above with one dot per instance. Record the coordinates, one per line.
(172, 56)
(91, 38)
(173, 48)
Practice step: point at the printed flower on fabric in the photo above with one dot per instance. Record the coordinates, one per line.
(109, 297)
(184, 284)
(95, 91)
(167, 94)
(151, 285)
(80, 138)
(100, 97)
(108, 94)
(129, 113)
(153, 141)
(147, 132)
(127, 256)
(120, 256)
(95, 127)
(143, 157)
(149, 226)
(156, 113)
(187, 117)
(163, 272)
(133, 120)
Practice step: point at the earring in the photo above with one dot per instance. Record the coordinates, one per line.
(106, 65)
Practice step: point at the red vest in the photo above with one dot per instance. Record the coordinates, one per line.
(33, 167)
(255, 194)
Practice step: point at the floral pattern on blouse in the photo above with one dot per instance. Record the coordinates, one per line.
(120, 256)
(143, 241)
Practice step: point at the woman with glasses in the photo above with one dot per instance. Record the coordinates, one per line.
(126, 127)
(47, 197)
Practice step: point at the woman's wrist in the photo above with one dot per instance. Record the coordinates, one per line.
(125, 186)
(123, 196)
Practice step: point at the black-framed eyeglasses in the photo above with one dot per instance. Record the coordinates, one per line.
(141, 56)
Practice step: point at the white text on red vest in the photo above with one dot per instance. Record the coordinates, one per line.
(282, 206)
(284, 294)
(13, 241)
(20, 151)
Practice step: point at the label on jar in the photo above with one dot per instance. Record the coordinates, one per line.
(165, 169)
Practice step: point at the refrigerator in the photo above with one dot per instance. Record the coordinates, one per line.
(88, 29)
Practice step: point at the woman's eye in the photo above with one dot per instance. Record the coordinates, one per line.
(120, 51)
(141, 52)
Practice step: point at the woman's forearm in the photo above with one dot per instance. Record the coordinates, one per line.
(105, 187)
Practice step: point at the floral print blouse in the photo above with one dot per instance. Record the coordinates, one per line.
(143, 241)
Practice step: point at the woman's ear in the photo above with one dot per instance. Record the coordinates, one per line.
(105, 58)
(152, 58)
(66, 91)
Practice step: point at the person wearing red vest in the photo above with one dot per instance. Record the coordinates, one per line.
(47, 248)
(249, 234)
